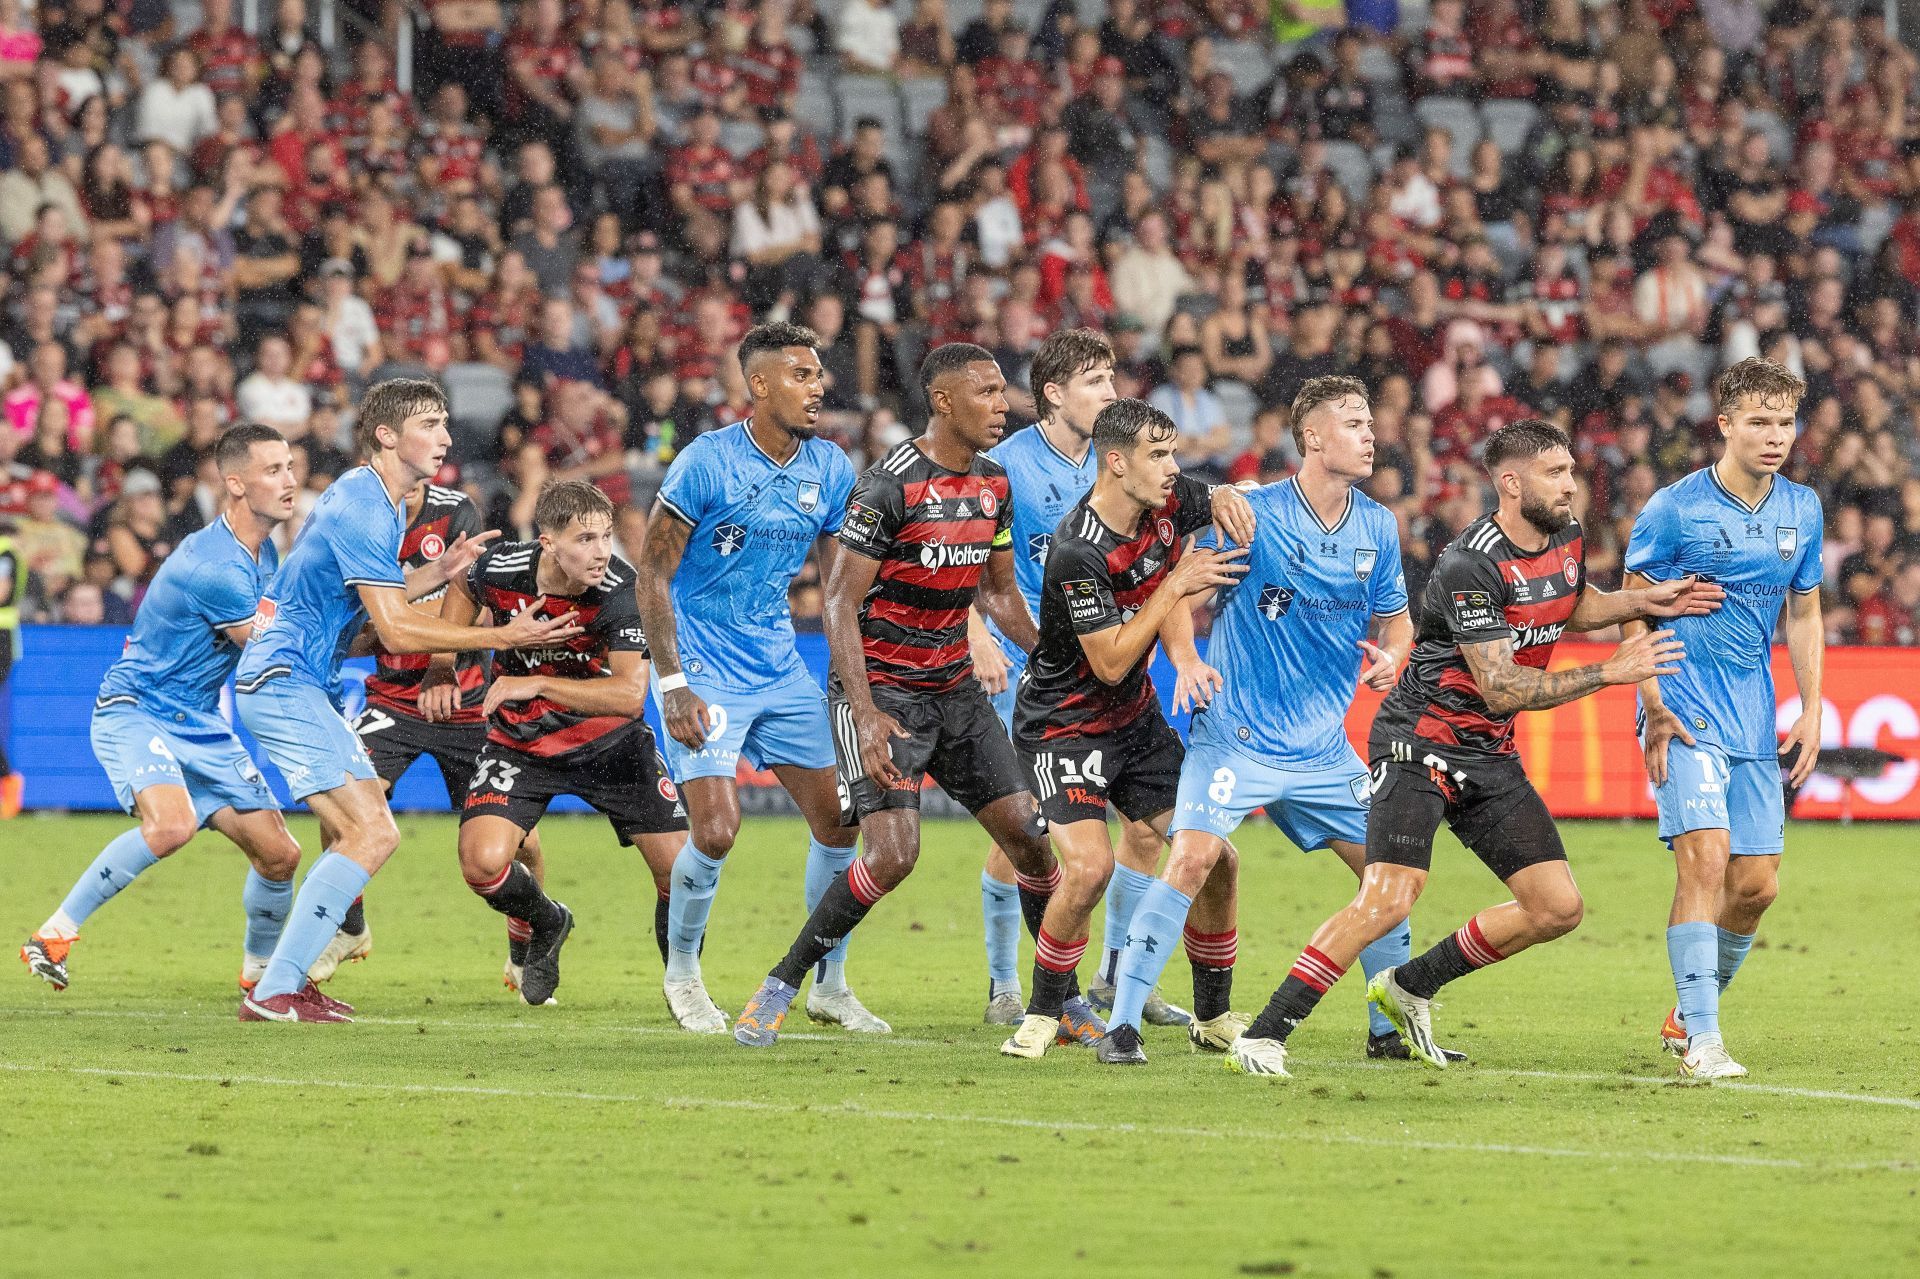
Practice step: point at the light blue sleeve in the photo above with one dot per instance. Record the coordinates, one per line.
(839, 487)
(690, 486)
(1808, 573)
(1389, 577)
(1652, 545)
(366, 543)
(222, 594)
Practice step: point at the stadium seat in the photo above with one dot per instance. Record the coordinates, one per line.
(813, 105)
(1237, 401)
(479, 396)
(1779, 136)
(1509, 122)
(739, 138)
(1378, 65)
(1458, 117)
(1247, 61)
(1350, 164)
(1156, 161)
(921, 98)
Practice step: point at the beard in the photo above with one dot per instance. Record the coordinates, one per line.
(1547, 519)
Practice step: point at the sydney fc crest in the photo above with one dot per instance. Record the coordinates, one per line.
(809, 496)
(1786, 541)
(1363, 561)
(1274, 602)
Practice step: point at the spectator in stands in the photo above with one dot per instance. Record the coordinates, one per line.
(1205, 434)
(1148, 277)
(272, 396)
(869, 37)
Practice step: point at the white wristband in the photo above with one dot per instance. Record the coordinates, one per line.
(670, 682)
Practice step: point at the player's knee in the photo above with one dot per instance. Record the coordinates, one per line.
(372, 840)
(278, 858)
(1085, 878)
(1558, 916)
(1752, 897)
(167, 835)
(481, 862)
(891, 866)
(714, 835)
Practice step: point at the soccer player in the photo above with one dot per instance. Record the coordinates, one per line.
(1709, 727)
(927, 530)
(1442, 746)
(1050, 466)
(1323, 575)
(420, 704)
(343, 570)
(157, 728)
(738, 514)
(1087, 723)
(563, 719)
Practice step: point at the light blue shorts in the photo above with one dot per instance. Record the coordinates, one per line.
(1003, 701)
(1219, 788)
(786, 724)
(1707, 789)
(139, 749)
(305, 736)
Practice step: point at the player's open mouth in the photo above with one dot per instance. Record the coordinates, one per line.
(813, 411)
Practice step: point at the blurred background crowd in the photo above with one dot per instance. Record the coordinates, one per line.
(569, 212)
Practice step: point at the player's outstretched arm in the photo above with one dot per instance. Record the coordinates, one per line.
(1807, 648)
(1112, 652)
(661, 551)
(1682, 597)
(1000, 599)
(1195, 682)
(425, 579)
(1233, 514)
(990, 664)
(405, 629)
(1507, 686)
(1662, 725)
(849, 578)
(1390, 646)
(621, 691)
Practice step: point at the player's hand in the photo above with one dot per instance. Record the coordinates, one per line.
(1646, 655)
(876, 730)
(1382, 667)
(990, 664)
(509, 688)
(1194, 685)
(462, 552)
(1662, 727)
(1207, 569)
(527, 629)
(1805, 734)
(688, 721)
(1232, 516)
(1682, 597)
(439, 694)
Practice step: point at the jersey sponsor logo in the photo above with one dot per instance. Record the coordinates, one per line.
(1570, 571)
(989, 504)
(1475, 611)
(1164, 527)
(433, 546)
(1083, 600)
(808, 496)
(1274, 602)
(1529, 636)
(631, 635)
(1363, 562)
(940, 555)
(1786, 541)
(1038, 544)
(863, 519)
(729, 538)
(1082, 797)
(263, 616)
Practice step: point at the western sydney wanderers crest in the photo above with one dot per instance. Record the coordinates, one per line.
(1164, 528)
(1571, 571)
(989, 504)
(1363, 561)
(809, 496)
(433, 546)
(1786, 541)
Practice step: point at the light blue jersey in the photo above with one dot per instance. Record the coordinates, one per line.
(178, 656)
(754, 522)
(1045, 484)
(311, 613)
(1723, 692)
(1286, 638)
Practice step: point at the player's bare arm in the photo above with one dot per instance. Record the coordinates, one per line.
(423, 580)
(1662, 725)
(990, 664)
(1001, 600)
(660, 554)
(1807, 649)
(402, 628)
(1195, 682)
(439, 684)
(848, 581)
(1233, 514)
(1682, 597)
(1507, 686)
(1393, 640)
(621, 691)
(1113, 652)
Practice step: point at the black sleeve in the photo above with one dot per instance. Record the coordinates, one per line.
(1195, 500)
(1078, 571)
(465, 520)
(618, 621)
(876, 512)
(477, 574)
(1472, 597)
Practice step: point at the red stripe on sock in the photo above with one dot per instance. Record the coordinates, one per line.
(519, 929)
(866, 890)
(1058, 956)
(358, 900)
(1214, 950)
(1044, 885)
(665, 894)
(488, 888)
(1316, 970)
(1474, 945)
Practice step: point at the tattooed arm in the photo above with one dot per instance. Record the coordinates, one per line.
(1508, 686)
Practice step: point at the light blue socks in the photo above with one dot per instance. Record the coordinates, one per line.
(267, 904)
(325, 894)
(1153, 935)
(696, 878)
(118, 865)
(1693, 950)
(824, 861)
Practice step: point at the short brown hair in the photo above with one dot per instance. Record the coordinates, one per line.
(563, 501)
(1761, 379)
(389, 404)
(1316, 391)
(1063, 357)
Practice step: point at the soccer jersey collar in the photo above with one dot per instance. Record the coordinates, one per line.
(1713, 472)
(746, 426)
(1293, 483)
(1047, 440)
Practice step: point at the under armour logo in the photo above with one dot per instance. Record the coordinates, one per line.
(1147, 943)
(106, 872)
(686, 882)
(319, 912)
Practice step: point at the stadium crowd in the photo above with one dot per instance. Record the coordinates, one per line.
(570, 212)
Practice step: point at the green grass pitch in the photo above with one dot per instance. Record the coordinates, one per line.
(455, 1132)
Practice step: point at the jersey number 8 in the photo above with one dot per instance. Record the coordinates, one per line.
(1222, 789)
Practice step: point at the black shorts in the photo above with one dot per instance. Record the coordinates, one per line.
(626, 782)
(1490, 805)
(1137, 770)
(394, 740)
(955, 737)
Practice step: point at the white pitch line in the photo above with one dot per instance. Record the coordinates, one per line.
(991, 1121)
(850, 1040)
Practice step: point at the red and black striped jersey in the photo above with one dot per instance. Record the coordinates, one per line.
(932, 530)
(505, 579)
(395, 682)
(1096, 579)
(1483, 588)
